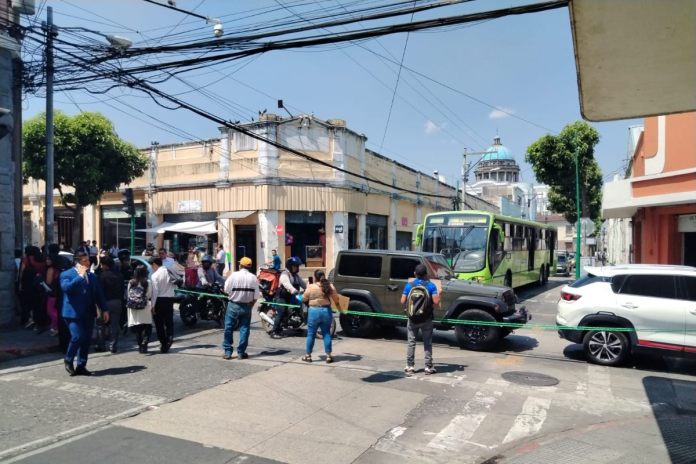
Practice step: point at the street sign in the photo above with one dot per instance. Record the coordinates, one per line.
(338, 229)
(279, 230)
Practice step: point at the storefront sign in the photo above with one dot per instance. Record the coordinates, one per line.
(338, 229)
(404, 221)
(279, 230)
(687, 223)
(190, 206)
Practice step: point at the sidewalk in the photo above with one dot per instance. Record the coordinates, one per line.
(19, 342)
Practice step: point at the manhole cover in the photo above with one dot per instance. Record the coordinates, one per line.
(533, 379)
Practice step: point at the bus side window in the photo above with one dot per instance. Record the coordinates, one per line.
(508, 237)
(495, 250)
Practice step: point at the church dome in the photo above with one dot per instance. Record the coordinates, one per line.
(497, 152)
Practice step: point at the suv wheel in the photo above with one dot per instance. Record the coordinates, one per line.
(606, 348)
(507, 282)
(355, 325)
(477, 337)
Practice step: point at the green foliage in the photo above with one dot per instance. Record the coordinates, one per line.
(553, 159)
(88, 156)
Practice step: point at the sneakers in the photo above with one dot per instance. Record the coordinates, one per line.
(409, 370)
(276, 336)
(430, 370)
(227, 356)
(243, 356)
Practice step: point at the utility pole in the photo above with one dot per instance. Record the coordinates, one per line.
(49, 214)
(577, 211)
(17, 67)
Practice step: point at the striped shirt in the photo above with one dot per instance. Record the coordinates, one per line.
(242, 287)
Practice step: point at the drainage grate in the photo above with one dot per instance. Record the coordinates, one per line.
(533, 379)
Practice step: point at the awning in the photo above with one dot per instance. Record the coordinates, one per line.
(159, 229)
(236, 214)
(187, 227)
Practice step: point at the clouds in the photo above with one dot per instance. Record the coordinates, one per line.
(500, 113)
(431, 128)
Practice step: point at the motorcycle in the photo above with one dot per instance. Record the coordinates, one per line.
(295, 317)
(193, 306)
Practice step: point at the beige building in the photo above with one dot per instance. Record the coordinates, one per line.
(252, 197)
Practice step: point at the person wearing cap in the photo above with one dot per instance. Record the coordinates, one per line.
(242, 289)
(207, 275)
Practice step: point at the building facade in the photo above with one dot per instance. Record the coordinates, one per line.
(253, 197)
(660, 195)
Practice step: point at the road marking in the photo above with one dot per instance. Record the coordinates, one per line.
(530, 420)
(87, 390)
(581, 388)
(454, 436)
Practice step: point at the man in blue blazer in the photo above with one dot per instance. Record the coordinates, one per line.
(81, 294)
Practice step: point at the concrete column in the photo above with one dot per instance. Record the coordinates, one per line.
(391, 224)
(268, 154)
(267, 220)
(89, 231)
(339, 152)
(339, 241)
(362, 231)
(224, 162)
(34, 235)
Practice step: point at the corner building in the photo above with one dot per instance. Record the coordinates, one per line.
(253, 197)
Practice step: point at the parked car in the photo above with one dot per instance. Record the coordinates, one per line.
(564, 265)
(655, 303)
(374, 281)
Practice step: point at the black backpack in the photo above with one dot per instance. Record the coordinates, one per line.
(419, 304)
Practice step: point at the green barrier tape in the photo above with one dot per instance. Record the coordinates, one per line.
(212, 295)
(512, 325)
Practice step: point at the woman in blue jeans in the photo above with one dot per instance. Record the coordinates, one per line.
(318, 297)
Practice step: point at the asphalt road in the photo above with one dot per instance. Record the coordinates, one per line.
(190, 405)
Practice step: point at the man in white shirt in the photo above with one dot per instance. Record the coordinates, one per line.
(163, 303)
(242, 288)
(220, 260)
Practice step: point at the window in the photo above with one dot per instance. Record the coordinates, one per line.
(376, 233)
(360, 266)
(244, 142)
(655, 286)
(688, 288)
(402, 268)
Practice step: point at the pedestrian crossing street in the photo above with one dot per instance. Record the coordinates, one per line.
(494, 414)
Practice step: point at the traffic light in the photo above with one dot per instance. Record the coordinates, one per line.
(128, 203)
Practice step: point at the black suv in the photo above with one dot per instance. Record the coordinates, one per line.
(374, 281)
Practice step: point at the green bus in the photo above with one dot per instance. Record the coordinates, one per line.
(490, 248)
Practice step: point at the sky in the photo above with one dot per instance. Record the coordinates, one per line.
(457, 88)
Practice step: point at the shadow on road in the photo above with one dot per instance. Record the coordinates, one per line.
(533, 290)
(273, 352)
(673, 404)
(516, 344)
(119, 370)
(645, 362)
(348, 357)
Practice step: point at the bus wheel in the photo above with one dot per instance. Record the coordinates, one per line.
(546, 274)
(542, 273)
(477, 337)
(508, 280)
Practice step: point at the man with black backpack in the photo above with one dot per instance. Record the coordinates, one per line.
(418, 299)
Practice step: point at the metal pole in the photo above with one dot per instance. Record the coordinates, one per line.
(466, 175)
(17, 66)
(577, 211)
(132, 235)
(49, 215)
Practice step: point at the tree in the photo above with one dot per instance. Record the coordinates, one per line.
(553, 160)
(89, 157)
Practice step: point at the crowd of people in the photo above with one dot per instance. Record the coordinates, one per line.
(117, 293)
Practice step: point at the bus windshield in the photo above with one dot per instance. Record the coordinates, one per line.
(464, 246)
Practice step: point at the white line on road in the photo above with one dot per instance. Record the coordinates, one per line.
(530, 420)
(87, 390)
(463, 426)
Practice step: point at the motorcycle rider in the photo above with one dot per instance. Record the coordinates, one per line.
(207, 275)
(288, 293)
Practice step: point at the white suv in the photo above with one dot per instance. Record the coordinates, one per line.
(654, 306)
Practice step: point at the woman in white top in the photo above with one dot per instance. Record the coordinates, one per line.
(139, 305)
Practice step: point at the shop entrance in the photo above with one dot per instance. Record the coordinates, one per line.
(306, 237)
(245, 238)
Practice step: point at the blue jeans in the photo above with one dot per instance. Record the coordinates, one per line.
(80, 338)
(319, 318)
(237, 312)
